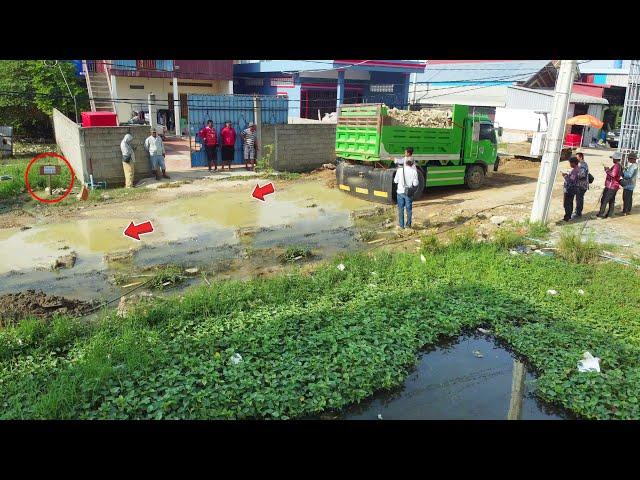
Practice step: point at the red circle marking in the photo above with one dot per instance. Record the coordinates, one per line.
(30, 190)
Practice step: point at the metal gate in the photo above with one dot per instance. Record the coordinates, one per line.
(237, 109)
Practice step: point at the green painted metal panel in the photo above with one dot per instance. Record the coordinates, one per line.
(449, 175)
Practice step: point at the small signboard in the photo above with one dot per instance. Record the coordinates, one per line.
(50, 170)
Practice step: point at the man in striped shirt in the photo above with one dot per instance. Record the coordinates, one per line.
(250, 145)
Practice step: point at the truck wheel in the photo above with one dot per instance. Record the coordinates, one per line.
(474, 177)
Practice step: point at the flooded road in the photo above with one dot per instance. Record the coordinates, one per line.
(193, 231)
(454, 383)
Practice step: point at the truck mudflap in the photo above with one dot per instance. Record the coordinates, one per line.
(366, 182)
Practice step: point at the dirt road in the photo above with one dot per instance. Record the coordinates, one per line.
(219, 228)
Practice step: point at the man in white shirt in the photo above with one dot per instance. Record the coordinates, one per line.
(406, 177)
(154, 146)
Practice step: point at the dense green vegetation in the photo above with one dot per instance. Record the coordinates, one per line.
(312, 342)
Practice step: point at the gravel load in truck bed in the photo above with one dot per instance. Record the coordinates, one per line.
(419, 118)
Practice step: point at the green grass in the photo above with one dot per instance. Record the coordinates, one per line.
(571, 247)
(508, 237)
(321, 341)
(537, 230)
(293, 252)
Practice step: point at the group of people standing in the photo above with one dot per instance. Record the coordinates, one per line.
(228, 135)
(577, 180)
(154, 146)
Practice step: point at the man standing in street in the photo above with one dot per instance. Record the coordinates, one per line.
(570, 187)
(250, 145)
(154, 146)
(407, 179)
(210, 141)
(128, 160)
(582, 185)
(611, 186)
(228, 135)
(630, 175)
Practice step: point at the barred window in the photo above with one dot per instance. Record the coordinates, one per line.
(382, 88)
(254, 82)
(280, 81)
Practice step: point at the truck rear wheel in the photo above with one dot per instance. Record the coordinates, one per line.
(474, 177)
(421, 185)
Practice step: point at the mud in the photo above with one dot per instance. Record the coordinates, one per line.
(17, 306)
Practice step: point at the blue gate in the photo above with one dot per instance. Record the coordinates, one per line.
(237, 109)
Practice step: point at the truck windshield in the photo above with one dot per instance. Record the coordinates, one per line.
(487, 132)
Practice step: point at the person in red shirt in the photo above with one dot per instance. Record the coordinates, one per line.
(210, 140)
(228, 135)
(611, 186)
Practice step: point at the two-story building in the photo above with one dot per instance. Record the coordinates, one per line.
(123, 86)
(316, 87)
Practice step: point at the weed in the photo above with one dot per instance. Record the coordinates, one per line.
(459, 219)
(295, 253)
(265, 164)
(462, 238)
(537, 230)
(508, 238)
(572, 248)
(166, 277)
(430, 243)
(368, 235)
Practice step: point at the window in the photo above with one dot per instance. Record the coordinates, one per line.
(487, 132)
(254, 82)
(282, 81)
(136, 87)
(381, 88)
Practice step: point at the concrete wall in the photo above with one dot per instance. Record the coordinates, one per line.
(300, 147)
(67, 134)
(101, 145)
(102, 150)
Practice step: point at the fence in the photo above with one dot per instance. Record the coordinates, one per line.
(237, 109)
(6, 141)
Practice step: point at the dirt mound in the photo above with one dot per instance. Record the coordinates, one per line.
(16, 306)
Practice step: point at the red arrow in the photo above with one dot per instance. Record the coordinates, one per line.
(259, 192)
(134, 231)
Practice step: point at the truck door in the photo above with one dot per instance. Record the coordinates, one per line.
(487, 149)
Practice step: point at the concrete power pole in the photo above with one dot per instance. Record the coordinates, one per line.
(553, 146)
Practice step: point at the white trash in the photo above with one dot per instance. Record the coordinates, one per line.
(478, 354)
(552, 292)
(236, 358)
(484, 331)
(589, 363)
(379, 416)
(341, 267)
(422, 259)
(581, 292)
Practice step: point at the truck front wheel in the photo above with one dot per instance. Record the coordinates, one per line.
(474, 177)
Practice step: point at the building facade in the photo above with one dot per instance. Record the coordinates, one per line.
(123, 86)
(316, 87)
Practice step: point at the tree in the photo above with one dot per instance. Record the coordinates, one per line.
(30, 90)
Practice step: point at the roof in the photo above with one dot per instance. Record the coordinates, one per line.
(488, 71)
(575, 97)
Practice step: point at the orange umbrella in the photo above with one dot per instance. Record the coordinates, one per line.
(586, 121)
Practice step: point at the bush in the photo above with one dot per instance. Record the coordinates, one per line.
(572, 248)
(430, 243)
(464, 238)
(537, 230)
(508, 238)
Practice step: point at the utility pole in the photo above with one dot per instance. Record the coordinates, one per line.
(553, 146)
(257, 115)
(176, 107)
(415, 82)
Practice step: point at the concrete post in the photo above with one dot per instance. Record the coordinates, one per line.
(176, 106)
(553, 146)
(257, 115)
(153, 110)
(415, 82)
(340, 92)
(517, 391)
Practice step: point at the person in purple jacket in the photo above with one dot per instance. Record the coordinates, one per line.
(570, 187)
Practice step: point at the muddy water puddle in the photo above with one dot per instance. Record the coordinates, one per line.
(452, 382)
(197, 231)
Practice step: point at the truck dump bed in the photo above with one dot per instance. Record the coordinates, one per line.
(364, 133)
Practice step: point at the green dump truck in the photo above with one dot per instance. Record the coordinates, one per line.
(367, 143)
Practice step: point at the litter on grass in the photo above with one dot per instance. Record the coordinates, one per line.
(422, 258)
(552, 292)
(589, 363)
(341, 267)
(581, 292)
(236, 358)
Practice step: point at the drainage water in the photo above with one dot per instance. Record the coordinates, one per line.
(452, 383)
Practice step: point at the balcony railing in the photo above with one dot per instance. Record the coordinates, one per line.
(141, 65)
